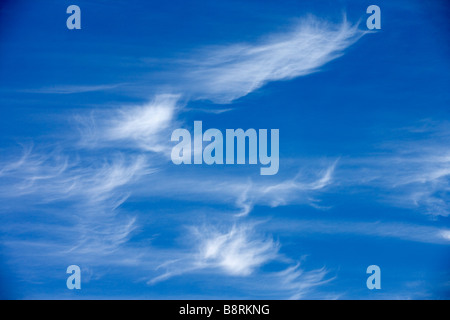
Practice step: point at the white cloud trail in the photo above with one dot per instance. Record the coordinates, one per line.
(226, 73)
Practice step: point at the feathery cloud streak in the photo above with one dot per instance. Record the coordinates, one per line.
(227, 73)
(411, 174)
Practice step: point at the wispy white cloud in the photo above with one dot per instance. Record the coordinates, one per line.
(384, 229)
(144, 124)
(413, 173)
(226, 73)
(145, 127)
(52, 175)
(90, 189)
(282, 193)
(71, 89)
(244, 193)
(237, 251)
(299, 283)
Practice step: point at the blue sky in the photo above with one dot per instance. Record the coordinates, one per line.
(85, 170)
